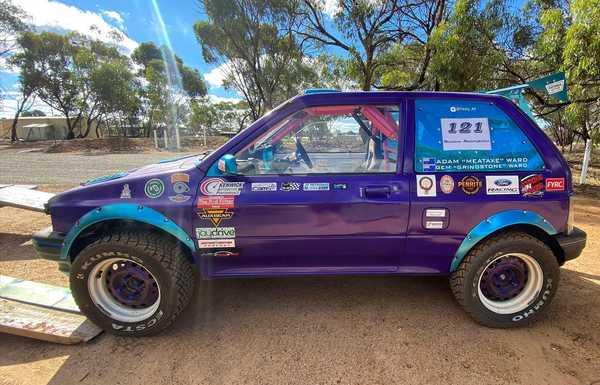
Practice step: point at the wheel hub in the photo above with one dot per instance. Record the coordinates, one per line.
(131, 285)
(504, 279)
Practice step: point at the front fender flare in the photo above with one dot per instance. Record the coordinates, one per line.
(126, 211)
(497, 222)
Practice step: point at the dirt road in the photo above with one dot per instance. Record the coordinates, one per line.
(303, 331)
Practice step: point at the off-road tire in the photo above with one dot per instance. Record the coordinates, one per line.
(464, 282)
(163, 257)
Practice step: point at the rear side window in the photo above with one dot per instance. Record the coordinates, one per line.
(461, 136)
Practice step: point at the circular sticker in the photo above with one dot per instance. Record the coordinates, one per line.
(154, 188)
(211, 186)
(426, 183)
(180, 187)
(470, 185)
(447, 184)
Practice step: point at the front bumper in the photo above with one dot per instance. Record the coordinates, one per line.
(572, 244)
(48, 245)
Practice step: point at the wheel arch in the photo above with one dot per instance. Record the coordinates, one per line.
(117, 215)
(525, 221)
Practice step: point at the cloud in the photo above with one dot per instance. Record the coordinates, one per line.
(116, 17)
(9, 105)
(219, 99)
(55, 16)
(216, 76)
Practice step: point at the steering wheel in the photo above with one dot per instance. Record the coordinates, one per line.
(302, 154)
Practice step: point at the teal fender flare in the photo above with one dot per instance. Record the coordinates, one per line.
(496, 222)
(125, 211)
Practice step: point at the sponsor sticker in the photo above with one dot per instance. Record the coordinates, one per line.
(447, 184)
(215, 232)
(426, 186)
(435, 213)
(215, 215)
(271, 186)
(502, 185)
(126, 192)
(216, 243)
(555, 184)
(339, 186)
(315, 187)
(428, 164)
(218, 186)
(290, 186)
(434, 225)
(215, 202)
(470, 185)
(532, 185)
(154, 188)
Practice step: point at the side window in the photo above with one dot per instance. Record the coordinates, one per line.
(459, 135)
(326, 139)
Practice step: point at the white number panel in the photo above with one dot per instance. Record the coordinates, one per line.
(466, 134)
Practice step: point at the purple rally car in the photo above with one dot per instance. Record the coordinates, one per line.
(423, 183)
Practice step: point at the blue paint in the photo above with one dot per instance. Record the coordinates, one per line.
(496, 222)
(125, 211)
(311, 91)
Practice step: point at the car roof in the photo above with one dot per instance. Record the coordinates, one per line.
(336, 95)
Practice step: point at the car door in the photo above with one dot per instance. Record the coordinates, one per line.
(344, 209)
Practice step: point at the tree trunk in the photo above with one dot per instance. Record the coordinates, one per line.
(13, 129)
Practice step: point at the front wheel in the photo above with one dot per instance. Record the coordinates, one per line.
(507, 280)
(132, 283)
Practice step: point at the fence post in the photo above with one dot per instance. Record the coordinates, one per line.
(586, 161)
(166, 140)
(155, 139)
(204, 134)
(177, 141)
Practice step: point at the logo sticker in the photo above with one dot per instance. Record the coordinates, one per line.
(154, 188)
(215, 215)
(426, 186)
(339, 186)
(532, 185)
(264, 186)
(215, 202)
(126, 192)
(217, 186)
(215, 232)
(428, 164)
(555, 184)
(216, 243)
(290, 186)
(502, 185)
(470, 185)
(447, 184)
(315, 187)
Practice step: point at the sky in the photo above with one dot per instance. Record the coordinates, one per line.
(161, 21)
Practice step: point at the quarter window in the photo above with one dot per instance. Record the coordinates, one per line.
(326, 139)
(461, 136)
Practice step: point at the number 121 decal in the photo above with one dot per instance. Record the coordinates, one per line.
(466, 134)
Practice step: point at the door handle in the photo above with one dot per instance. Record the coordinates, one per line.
(378, 192)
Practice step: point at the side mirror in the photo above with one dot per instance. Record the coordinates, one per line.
(227, 165)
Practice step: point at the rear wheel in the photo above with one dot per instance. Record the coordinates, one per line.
(132, 283)
(507, 280)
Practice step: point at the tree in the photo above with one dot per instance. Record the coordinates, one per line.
(33, 113)
(23, 104)
(47, 65)
(253, 42)
(12, 23)
(367, 30)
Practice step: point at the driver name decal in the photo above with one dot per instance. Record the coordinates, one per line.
(315, 187)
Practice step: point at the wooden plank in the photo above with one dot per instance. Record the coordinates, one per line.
(39, 294)
(45, 324)
(24, 198)
(27, 186)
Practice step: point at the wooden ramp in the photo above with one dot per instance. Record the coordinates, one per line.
(23, 197)
(41, 311)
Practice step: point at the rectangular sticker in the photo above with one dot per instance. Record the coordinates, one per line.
(315, 187)
(216, 243)
(271, 186)
(555, 184)
(502, 185)
(434, 225)
(466, 134)
(215, 202)
(426, 186)
(215, 232)
(435, 213)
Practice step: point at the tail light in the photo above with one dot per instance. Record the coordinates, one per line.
(571, 216)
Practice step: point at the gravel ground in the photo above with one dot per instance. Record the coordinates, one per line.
(33, 167)
(344, 330)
